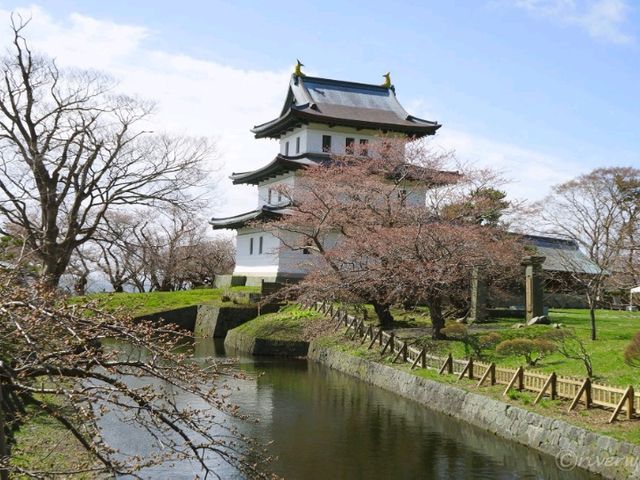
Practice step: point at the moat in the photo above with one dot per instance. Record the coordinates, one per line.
(321, 424)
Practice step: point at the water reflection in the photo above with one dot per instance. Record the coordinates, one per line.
(326, 425)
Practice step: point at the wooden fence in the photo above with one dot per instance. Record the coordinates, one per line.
(579, 391)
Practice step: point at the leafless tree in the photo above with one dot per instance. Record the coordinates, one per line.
(54, 358)
(600, 211)
(72, 149)
(118, 250)
(209, 258)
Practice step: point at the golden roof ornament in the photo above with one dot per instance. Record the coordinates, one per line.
(298, 70)
(387, 80)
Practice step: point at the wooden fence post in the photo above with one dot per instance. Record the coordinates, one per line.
(386, 345)
(356, 330)
(586, 389)
(350, 325)
(447, 365)
(369, 333)
(402, 351)
(468, 369)
(628, 397)
(418, 358)
(373, 340)
(490, 373)
(551, 382)
(517, 377)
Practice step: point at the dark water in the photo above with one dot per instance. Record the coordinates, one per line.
(326, 425)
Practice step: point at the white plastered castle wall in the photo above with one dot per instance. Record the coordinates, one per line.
(287, 179)
(311, 138)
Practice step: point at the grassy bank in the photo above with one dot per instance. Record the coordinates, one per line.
(290, 323)
(42, 444)
(615, 330)
(137, 304)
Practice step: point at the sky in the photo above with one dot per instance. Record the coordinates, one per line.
(543, 90)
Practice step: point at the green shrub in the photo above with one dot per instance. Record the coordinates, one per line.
(533, 350)
(472, 343)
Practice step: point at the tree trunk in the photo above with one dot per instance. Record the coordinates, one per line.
(52, 272)
(434, 302)
(81, 285)
(592, 315)
(591, 301)
(383, 311)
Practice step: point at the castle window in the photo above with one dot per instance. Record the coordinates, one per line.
(297, 144)
(349, 145)
(260, 246)
(269, 197)
(251, 246)
(279, 197)
(326, 143)
(364, 143)
(286, 148)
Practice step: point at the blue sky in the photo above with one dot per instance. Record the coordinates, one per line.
(520, 83)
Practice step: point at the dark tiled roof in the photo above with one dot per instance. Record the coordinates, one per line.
(336, 102)
(561, 255)
(266, 212)
(279, 165)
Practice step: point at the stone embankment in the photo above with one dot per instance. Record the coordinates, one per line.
(252, 345)
(207, 321)
(572, 446)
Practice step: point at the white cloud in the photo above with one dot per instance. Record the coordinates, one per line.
(530, 173)
(202, 97)
(602, 19)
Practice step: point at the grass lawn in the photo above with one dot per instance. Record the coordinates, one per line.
(614, 332)
(136, 304)
(290, 323)
(43, 444)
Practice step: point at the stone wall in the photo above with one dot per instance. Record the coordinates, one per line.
(597, 453)
(263, 346)
(216, 321)
(183, 317)
(207, 321)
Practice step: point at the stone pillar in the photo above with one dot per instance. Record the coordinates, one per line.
(534, 303)
(478, 310)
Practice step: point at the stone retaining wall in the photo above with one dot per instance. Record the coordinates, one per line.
(597, 453)
(207, 321)
(262, 346)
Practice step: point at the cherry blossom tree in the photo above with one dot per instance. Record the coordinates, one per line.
(396, 226)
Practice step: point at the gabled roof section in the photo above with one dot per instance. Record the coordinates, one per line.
(337, 102)
(561, 255)
(279, 165)
(266, 212)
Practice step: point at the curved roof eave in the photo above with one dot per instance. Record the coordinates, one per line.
(278, 165)
(239, 221)
(274, 127)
